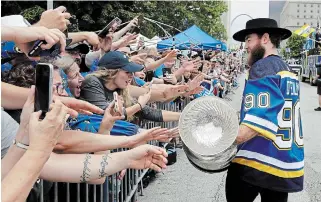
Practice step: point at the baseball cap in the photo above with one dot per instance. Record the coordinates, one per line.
(118, 60)
(9, 50)
(14, 20)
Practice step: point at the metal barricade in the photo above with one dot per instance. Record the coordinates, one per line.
(113, 190)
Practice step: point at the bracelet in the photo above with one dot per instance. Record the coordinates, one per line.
(20, 145)
(141, 108)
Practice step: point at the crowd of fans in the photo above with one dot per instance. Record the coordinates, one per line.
(87, 72)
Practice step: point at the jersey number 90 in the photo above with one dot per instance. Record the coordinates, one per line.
(289, 120)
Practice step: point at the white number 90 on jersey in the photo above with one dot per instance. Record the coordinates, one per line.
(289, 119)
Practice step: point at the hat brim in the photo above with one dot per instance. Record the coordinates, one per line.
(240, 35)
(133, 67)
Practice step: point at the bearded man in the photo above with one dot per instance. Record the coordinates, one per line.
(270, 157)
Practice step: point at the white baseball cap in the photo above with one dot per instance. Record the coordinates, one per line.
(15, 21)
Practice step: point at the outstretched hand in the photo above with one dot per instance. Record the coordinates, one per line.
(109, 119)
(147, 156)
(148, 135)
(80, 106)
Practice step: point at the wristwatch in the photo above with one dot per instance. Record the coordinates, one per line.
(20, 145)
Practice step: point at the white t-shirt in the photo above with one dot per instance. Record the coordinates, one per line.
(9, 129)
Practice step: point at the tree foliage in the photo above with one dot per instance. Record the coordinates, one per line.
(295, 43)
(93, 15)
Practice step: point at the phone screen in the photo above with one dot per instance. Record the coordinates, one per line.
(177, 63)
(117, 103)
(149, 76)
(166, 72)
(140, 19)
(43, 91)
(200, 69)
(113, 24)
(135, 30)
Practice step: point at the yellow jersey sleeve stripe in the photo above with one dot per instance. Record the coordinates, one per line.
(264, 133)
(287, 74)
(269, 169)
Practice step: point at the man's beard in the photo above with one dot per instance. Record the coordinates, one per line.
(256, 54)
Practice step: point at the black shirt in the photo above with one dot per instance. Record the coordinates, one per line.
(94, 92)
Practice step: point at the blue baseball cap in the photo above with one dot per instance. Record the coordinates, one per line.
(118, 60)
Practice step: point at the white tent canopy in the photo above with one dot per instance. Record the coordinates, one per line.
(147, 42)
(153, 41)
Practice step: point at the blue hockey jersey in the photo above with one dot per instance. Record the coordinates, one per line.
(274, 159)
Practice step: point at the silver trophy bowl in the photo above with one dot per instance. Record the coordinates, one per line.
(208, 128)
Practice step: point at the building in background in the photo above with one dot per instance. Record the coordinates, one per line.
(295, 14)
(225, 18)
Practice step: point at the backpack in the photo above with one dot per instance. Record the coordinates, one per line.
(92, 123)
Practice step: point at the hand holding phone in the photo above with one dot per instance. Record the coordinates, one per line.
(136, 29)
(43, 91)
(111, 27)
(54, 51)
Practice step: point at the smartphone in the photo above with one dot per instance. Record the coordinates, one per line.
(37, 51)
(140, 19)
(166, 72)
(43, 91)
(135, 30)
(117, 103)
(177, 63)
(111, 24)
(149, 76)
(141, 41)
(200, 69)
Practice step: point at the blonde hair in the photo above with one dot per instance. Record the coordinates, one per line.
(109, 74)
(151, 51)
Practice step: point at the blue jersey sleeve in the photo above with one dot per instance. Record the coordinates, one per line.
(262, 102)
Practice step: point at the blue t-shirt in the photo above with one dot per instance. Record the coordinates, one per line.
(139, 82)
(159, 71)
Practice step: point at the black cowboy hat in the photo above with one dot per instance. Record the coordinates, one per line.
(261, 25)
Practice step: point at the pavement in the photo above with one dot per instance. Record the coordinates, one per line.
(181, 182)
